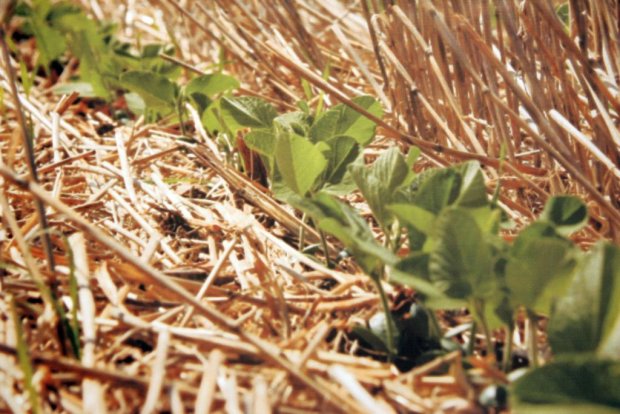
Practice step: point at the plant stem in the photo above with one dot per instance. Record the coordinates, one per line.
(389, 321)
(396, 239)
(302, 233)
(180, 115)
(532, 347)
(472, 338)
(325, 249)
(479, 309)
(507, 357)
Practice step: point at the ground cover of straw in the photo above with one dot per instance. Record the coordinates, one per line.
(256, 325)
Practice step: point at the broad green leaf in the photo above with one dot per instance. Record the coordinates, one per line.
(462, 185)
(298, 122)
(587, 319)
(569, 214)
(210, 118)
(538, 271)
(263, 141)
(70, 19)
(148, 60)
(299, 161)
(344, 187)
(90, 68)
(472, 191)
(461, 263)
(157, 91)
(247, 112)
(342, 222)
(379, 182)
(342, 120)
(569, 385)
(413, 271)
(51, 42)
(85, 89)
(434, 190)
(343, 151)
(135, 103)
(203, 88)
(415, 216)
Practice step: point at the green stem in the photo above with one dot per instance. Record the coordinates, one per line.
(302, 233)
(472, 338)
(396, 239)
(507, 357)
(389, 321)
(180, 115)
(532, 347)
(479, 309)
(328, 262)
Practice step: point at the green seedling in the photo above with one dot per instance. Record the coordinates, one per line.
(303, 155)
(382, 184)
(342, 222)
(587, 318)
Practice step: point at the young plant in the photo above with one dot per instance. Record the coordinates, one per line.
(382, 184)
(107, 66)
(302, 155)
(453, 233)
(342, 222)
(584, 333)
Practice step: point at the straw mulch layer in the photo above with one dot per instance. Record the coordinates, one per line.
(191, 290)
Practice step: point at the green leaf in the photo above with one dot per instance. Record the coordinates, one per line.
(379, 182)
(538, 270)
(587, 319)
(90, 69)
(461, 263)
(156, 90)
(472, 191)
(414, 216)
(413, 271)
(297, 122)
(85, 89)
(51, 43)
(263, 141)
(569, 385)
(569, 214)
(434, 190)
(343, 151)
(299, 161)
(247, 112)
(135, 103)
(342, 222)
(461, 185)
(203, 88)
(343, 120)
